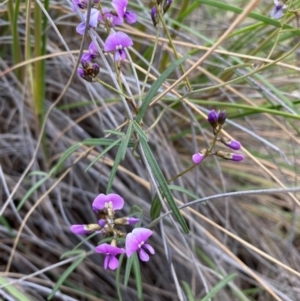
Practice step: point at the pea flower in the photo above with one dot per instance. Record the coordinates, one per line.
(109, 17)
(277, 10)
(110, 261)
(135, 241)
(121, 8)
(117, 42)
(92, 54)
(111, 201)
(93, 21)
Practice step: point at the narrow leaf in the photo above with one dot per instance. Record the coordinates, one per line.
(155, 208)
(128, 270)
(140, 131)
(156, 85)
(138, 276)
(163, 185)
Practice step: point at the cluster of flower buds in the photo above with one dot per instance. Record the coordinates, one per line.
(279, 7)
(164, 5)
(105, 207)
(116, 42)
(217, 120)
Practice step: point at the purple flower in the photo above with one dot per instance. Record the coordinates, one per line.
(92, 22)
(85, 229)
(110, 18)
(110, 251)
(277, 10)
(135, 241)
(80, 3)
(117, 42)
(112, 201)
(121, 8)
(92, 54)
(233, 144)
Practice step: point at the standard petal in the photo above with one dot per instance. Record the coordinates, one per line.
(123, 39)
(116, 200)
(93, 49)
(149, 248)
(111, 42)
(80, 28)
(113, 262)
(131, 244)
(130, 17)
(86, 58)
(93, 17)
(142, 234)
(103, 248)
(120, 7)
(143, 255)
(99, 202)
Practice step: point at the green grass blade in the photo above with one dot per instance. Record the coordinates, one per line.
(71, 253)
(188, 291)
(13, 291)
(119, 157)
(128, 270)
(156, 85)
(137, 276)
(65, 275)
(163, 184)
(218, 287)
(118, 277)
(155, 208)
(140, 131)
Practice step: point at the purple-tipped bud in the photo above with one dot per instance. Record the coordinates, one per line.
(154, 16)
(167, 5)
(96, 69)
(101, 222)
(126, 220)
(198, 157)
(233, 144)
(212, 118)
(222, 117)
(230, 156)
(80, 72)
(85, 229)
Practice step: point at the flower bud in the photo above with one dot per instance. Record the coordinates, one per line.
(212, 118)
(198, 157)
(85, 229)
(233, 144)
(101, 222)
(222, 117)
(167, 5)
(230, 156)
(127, 220)
(154, 16)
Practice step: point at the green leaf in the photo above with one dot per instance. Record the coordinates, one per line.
(114, 132)
(138, 276)
(155, 208)
(65, 275)
(218, 287)
(31, 191)
(188, 291)
(183, 190)
(71, 253)
(128, 270)
(139, 131)
(118, 276)
(103, 153)
(100, 141)
(156, 85)
(119, 157)
(163, 184)
(13, 291)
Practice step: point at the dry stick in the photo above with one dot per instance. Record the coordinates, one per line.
(236, 22)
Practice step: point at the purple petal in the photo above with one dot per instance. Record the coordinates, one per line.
(102, 200)
(102, 222)
(212, 117)
(93, 17)
(120, 7)
(132, 220)
(143, 255)
(80, 72)
(108, 249)
(113, 262)
(131, 244)
(120, 55)
(117, 41)
(80, 28)
(86, 58)
(149, 248)
(237, 157)
(233, 144)
(130, 17)
(197, 158)
(79, 229)
(93, 49)
(142, 234)
(109, 17)
(277, 12)
(106, 261)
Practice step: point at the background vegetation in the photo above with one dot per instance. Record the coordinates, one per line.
(240, 247)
